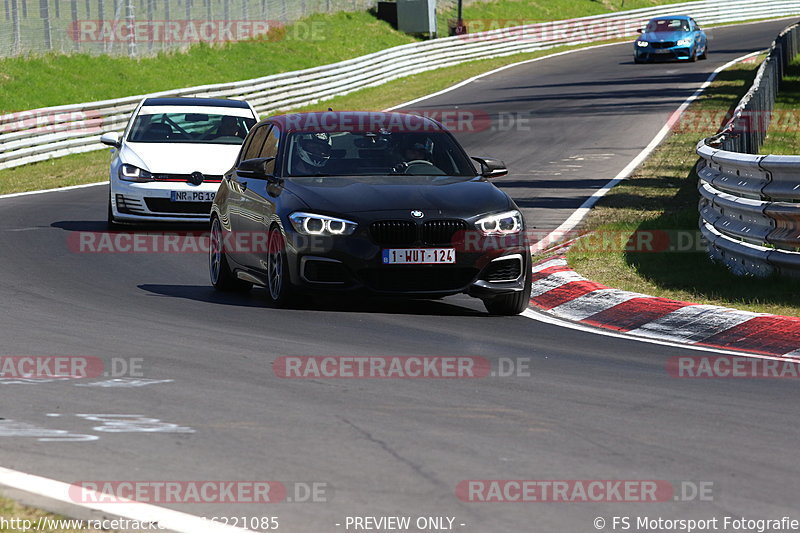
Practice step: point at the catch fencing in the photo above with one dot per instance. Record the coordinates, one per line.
(117, 26)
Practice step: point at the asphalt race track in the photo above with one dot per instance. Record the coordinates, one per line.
(593, 407)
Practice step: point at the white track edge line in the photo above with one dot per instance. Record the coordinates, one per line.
(170, 520)
(579, 214)
(58, 189)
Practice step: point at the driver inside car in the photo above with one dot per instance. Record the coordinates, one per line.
(229, 127)
(312, 156)
(415, 152)
(414, 157)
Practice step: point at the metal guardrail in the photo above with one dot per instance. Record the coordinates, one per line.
(750, 204)
(41, 134)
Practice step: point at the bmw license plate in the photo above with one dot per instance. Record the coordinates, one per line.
(192, 196)
(663, 51)
(419, 256)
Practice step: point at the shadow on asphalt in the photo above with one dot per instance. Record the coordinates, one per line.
(351, 303)
(665, 79)
(102, 226)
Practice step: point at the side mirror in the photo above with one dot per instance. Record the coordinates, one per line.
(640, 30)
(491, 168)
(111, 139)
(255, 168)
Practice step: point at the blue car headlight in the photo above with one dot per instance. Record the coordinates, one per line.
(642, 44)
(685, 42)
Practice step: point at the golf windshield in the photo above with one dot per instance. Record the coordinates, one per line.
(190, 127)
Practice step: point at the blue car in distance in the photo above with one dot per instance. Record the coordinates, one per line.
(676, 37)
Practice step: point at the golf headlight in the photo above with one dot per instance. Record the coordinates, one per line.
(506, 223)
(131, 173)
(642, 44)
(311, 224)
(685, 42)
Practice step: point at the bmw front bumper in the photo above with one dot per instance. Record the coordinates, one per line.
(355, 263)
(663, 54)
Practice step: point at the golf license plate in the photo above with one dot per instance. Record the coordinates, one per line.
(193, 196)
(419, 256)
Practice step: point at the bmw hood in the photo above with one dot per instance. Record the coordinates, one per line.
(359, 194)
(672, 36)
(181, 158)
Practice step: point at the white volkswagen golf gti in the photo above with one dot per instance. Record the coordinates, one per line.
(169, 161)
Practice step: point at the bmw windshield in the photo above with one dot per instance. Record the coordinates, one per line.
(375, 153)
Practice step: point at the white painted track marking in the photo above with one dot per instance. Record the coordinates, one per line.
(56, 490)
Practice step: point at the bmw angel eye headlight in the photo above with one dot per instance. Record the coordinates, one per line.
(131, 173)
(685, 42)
(501, 224)
(642, 44)
(311, 224)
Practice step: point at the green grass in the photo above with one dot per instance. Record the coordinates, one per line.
(662, 195)
(38, 81)
(782, 137)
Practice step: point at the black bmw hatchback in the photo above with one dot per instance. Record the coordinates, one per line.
(387, 203)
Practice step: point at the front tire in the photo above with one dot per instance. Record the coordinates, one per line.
(693, 57)
(279, 286)
(514, 303)
(705, 53)
(222, 278)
